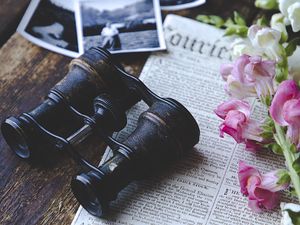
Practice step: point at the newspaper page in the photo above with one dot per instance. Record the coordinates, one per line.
(203, 187)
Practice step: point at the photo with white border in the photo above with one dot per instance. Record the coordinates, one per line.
(51, 24)
(180, 4)
(121, 26)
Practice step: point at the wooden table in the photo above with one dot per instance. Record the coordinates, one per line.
(33, 195)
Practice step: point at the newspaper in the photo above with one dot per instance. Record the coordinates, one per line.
(203, 187)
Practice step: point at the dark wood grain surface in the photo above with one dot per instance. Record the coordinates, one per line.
(11, 12)
(34, 195)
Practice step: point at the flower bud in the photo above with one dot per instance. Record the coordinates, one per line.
(266, 4)
(277, 23)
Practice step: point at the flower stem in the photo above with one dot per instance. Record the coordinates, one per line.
(289, 158)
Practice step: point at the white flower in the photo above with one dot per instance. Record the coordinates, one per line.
(286, 217)
(284, 4)
(277, 23)
(262, 41)
(266, 40)
(294, 16)
(291, 10)
(294, 65)
(242, 46)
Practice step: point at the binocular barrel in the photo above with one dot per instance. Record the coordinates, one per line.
(163, 133)
(93, 98)
(89, 76)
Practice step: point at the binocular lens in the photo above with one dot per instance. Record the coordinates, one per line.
(86, 195)
(15, 138)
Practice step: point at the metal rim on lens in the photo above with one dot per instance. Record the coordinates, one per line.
(86, 195)
(15, 137)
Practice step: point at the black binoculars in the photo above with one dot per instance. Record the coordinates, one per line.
(93, 98)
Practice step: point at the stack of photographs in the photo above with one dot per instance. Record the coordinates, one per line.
(71, 27)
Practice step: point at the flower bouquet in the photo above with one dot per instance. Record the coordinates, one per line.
(261, 55)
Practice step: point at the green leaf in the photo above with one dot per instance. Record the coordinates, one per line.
(229, 31)
(276, 149)
(295, 216)
(282, 70)
(269, 121)
(293, 149)
(267, 128)
(292, 45)
(242, 31)
(293, 192)
(237, 30)
(284, 177)
(296, 165)
(268, 100)
(266, 4)
(211, 19)
(216, 20)
(262, 21)
(228, 22)
(266, 135)
(238, 19)
(203, 18)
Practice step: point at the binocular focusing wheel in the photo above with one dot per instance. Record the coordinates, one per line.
(109, 105)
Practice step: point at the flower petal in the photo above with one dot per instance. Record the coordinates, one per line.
(293, 134)
(255, 205)
(252, 146)
(270, 181)
(233, 104)
(238, 90)
(291, 112)
(233, 125)
(252, 31)
(238, 69)
(294, 16)
(267, 198)
(287, 90)
(252, 131)
(284, 5)
(225, 70)
(244, 173)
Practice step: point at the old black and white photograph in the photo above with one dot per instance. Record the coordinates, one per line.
(121, 25)
(180, 4)
(52, 25)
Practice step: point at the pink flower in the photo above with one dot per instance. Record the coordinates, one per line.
(285, 109)
(261, 190)
(237, 123)
(249, 76)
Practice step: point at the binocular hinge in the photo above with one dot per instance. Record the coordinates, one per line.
(90, 124)
(70, 142)
(62, 144)
(138, 86)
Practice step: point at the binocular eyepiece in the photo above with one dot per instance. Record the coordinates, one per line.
(93, 98)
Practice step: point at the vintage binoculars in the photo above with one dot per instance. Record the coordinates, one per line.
(93, 98)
